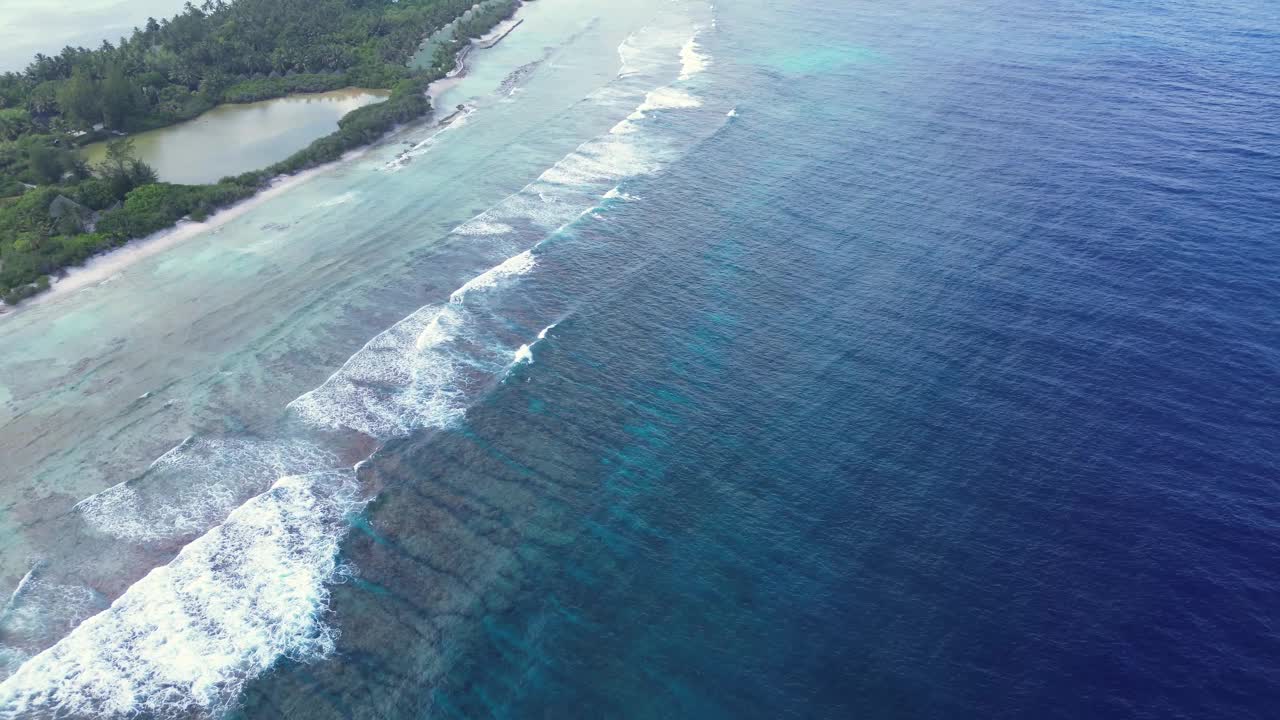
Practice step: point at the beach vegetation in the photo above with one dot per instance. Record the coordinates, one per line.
(56, 211)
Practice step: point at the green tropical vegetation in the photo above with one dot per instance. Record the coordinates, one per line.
(56, 211)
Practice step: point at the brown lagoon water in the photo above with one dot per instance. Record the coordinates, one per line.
(237, 138)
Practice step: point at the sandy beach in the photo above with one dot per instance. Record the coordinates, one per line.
(103, 268)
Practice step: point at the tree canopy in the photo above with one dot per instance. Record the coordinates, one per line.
(173, 69)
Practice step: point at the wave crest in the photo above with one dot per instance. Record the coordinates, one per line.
(191, 633)
(402, 379)
(692, 61)
(511, 267)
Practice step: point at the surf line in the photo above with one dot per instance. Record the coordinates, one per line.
(104, 266)
(248, 591)
(309, 506)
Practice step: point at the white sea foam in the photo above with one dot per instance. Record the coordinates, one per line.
(460, 121)
(692, 61)
(27, 613)
(189, 635)
(617, 194)
(427, 144)
(437, 332)
(600, 162)
(545, 211)
(195, 485)
(342, 199)
(524, 354)
(665, 98)
(409, 376)
(404, 378)
(482, 227)
(19, 616)
(414, 374)
(21, 584)
(511, 267)
(648, 49)
(628, 54)
(616, 156)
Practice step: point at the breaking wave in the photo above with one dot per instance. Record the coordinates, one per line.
(190, 634)
(453, 121)
(512, 266)
(251, 586)
(524, 354)
(483, 227)
(404, 378)
(421, 372)
(23, 620)
(692, 61)
(196, 484)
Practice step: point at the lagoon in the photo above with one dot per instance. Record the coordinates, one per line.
(235, 138)
(792, 359)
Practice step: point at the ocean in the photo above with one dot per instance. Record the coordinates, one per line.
(785, 360)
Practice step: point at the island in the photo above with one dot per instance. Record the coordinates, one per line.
(57, 210)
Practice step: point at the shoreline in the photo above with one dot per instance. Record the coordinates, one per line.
(102, 268)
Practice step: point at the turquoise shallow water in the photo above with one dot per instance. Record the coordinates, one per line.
(219, 331)
(855, 361)
(140, 439)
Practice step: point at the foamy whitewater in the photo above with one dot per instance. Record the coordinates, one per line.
(483, 227)
(422, 372)
(252, 588)
(692, 61)
(514, 266)
(203, 479)
(22, 619)
(405, 378)
(423, 147)
(190, 634)
(753, 394)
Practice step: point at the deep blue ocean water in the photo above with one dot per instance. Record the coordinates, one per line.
(937, 383)
(934, 377)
